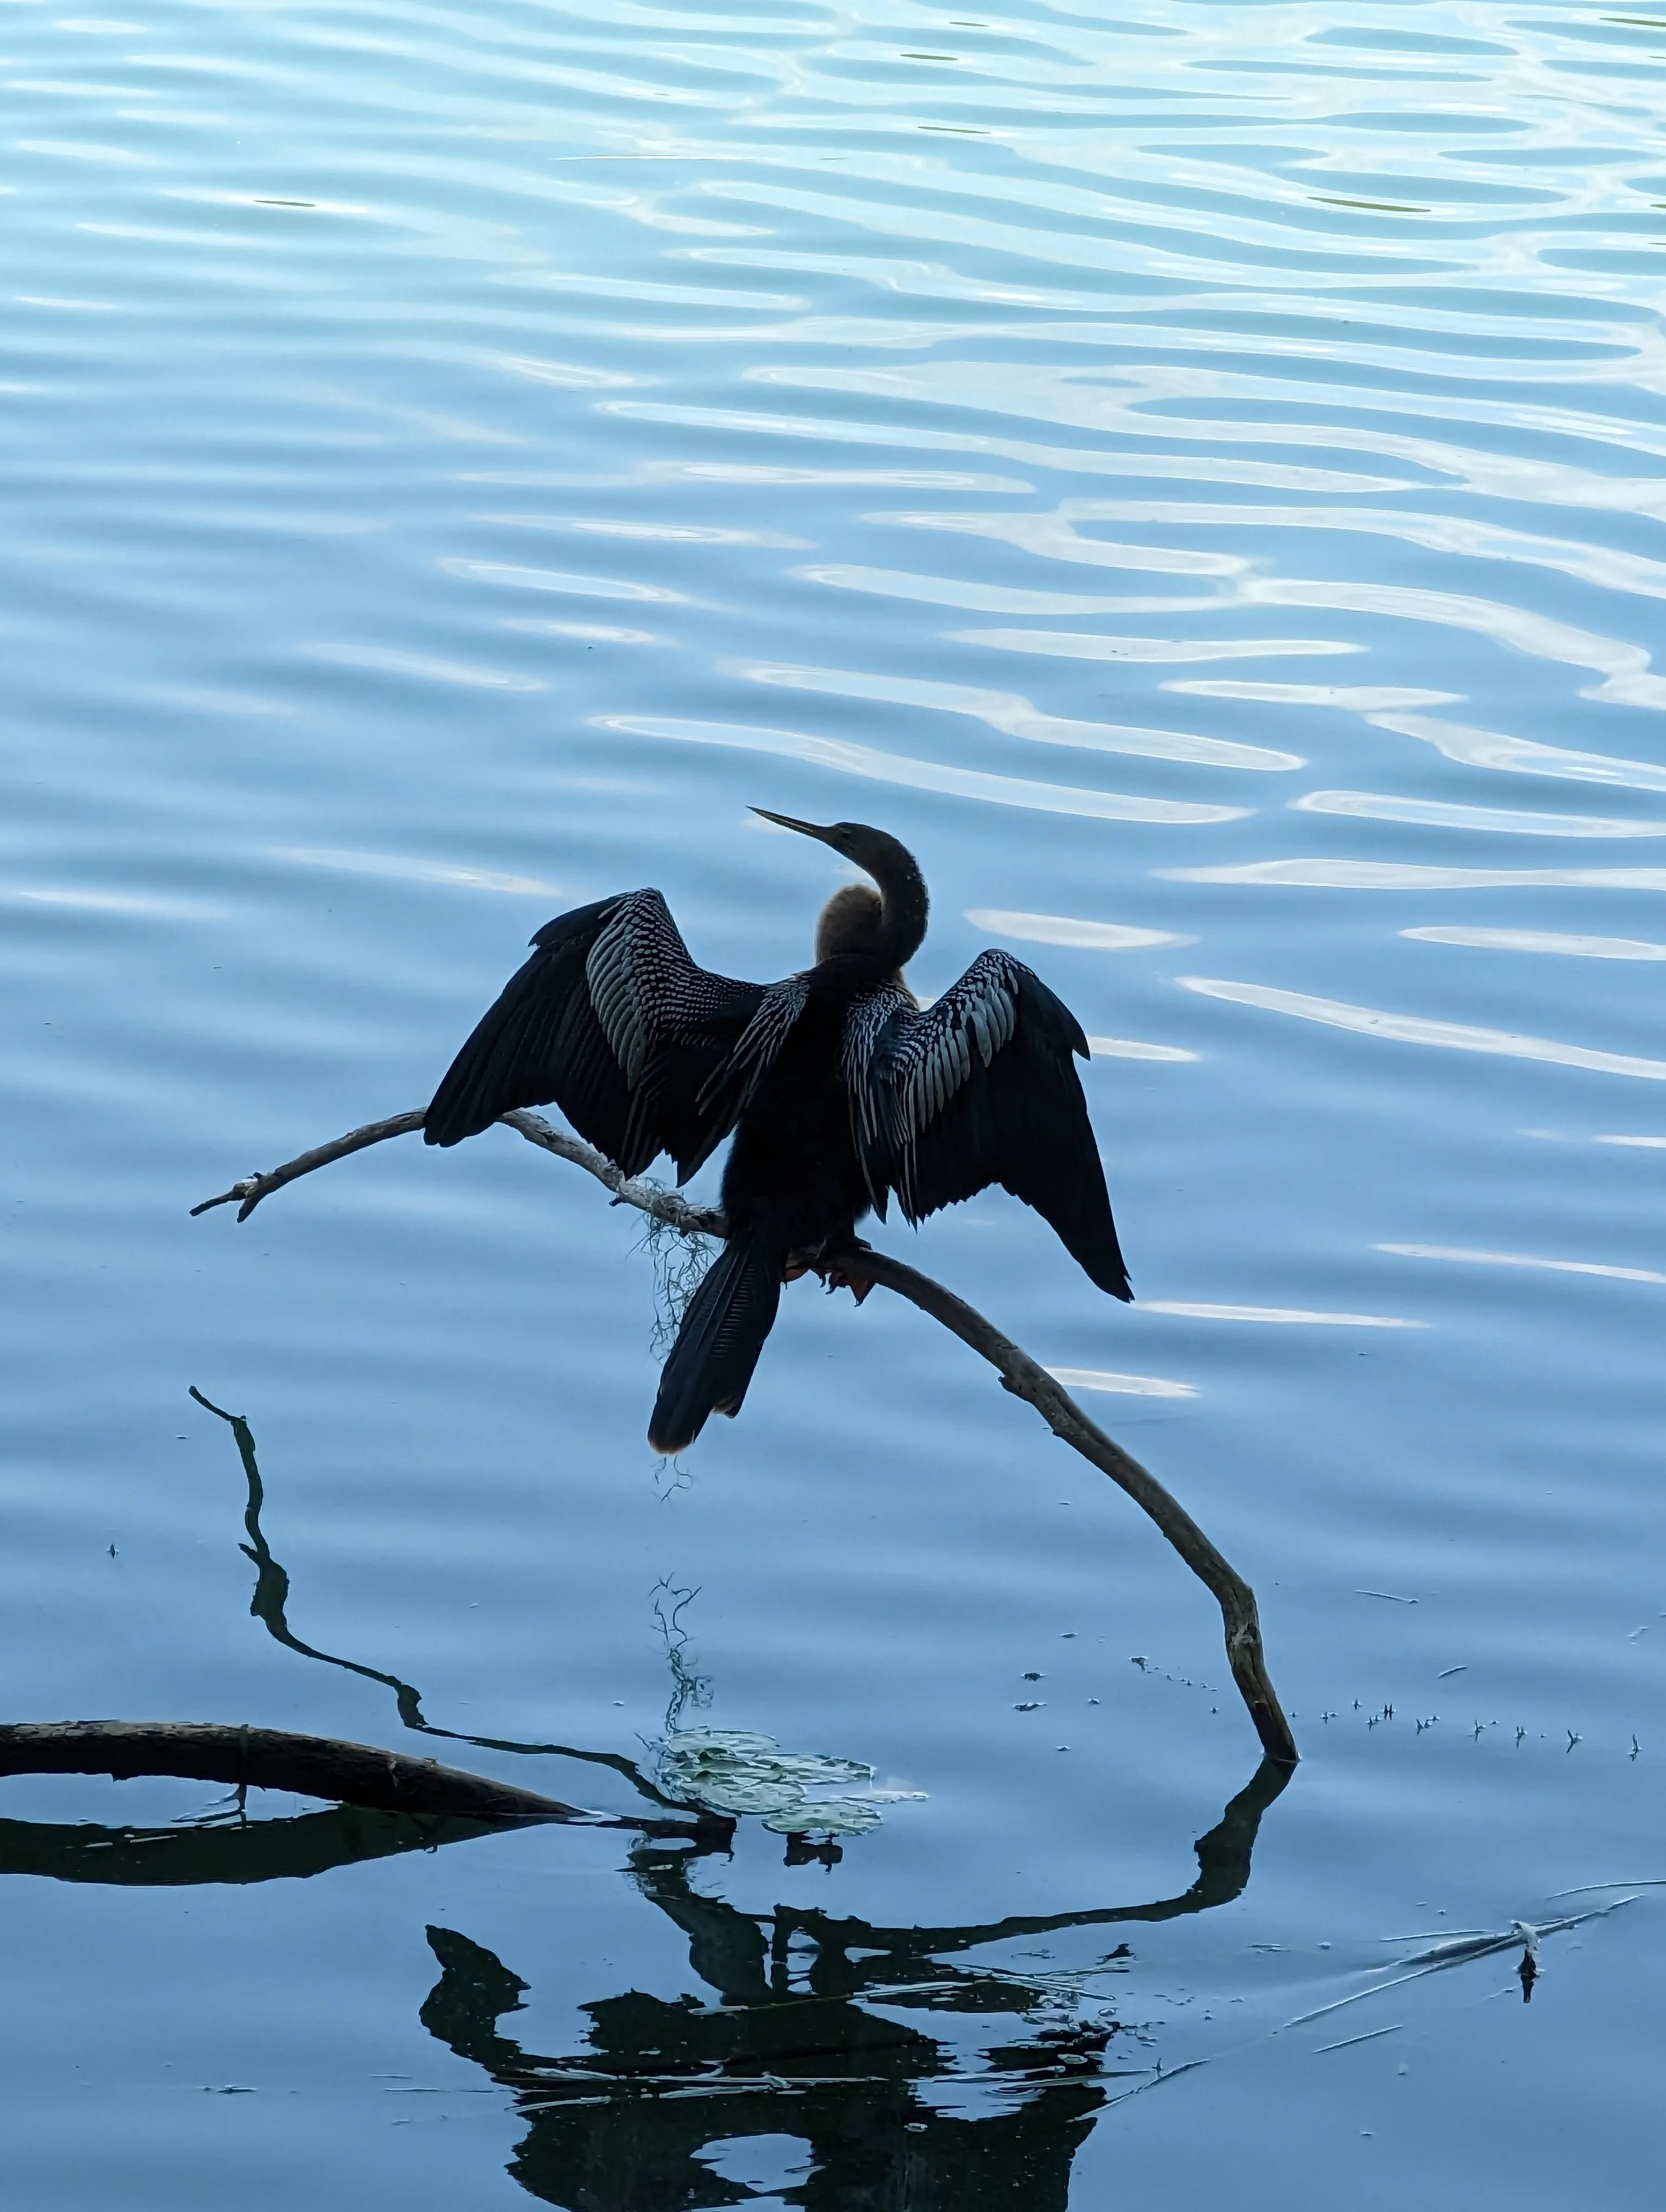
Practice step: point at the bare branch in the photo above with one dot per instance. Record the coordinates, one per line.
(309, 1765)
(1025, 1379)
(253, 1189)
(667, 1205)
(1024, 1376)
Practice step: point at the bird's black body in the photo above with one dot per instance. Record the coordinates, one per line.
(792, 1185)
(840, 1091)
(794, 1178)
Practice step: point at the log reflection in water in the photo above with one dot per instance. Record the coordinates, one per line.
(208, 1852)
(785, 2040)
(787, 2044)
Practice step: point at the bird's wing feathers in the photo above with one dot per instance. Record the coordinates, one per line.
(613, 1021)
(981, 1088)
(778, 1006)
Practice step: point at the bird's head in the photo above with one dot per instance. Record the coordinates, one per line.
(874, 851)
(854, 920)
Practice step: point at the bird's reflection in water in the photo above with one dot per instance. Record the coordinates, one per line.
(628, 2125)
(888, 2114)
(795, 2034)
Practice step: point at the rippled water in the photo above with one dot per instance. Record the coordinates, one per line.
(1196, 477)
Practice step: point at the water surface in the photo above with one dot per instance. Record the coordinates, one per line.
(1196, 477)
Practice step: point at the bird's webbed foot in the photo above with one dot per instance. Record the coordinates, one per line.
(845, 1278)
(833, 1277)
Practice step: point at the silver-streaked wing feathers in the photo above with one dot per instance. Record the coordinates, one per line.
(732, 1085)
(981, 1088)
(612, 1020)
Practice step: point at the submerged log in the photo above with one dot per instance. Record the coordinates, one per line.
(306, 1766)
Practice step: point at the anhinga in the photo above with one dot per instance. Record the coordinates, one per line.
(840, 1090)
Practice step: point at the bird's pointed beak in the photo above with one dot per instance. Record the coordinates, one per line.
(787, 821)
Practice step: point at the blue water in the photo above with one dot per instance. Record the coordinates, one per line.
(1196, 477)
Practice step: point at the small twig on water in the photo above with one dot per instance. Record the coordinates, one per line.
(1024, 1376)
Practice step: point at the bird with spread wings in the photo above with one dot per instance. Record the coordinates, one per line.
(840, 1090)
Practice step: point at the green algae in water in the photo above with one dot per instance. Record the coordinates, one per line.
(737, 1771)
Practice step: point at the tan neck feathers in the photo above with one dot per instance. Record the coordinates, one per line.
(849, 922)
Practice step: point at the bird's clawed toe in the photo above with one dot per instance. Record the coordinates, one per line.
(833, 1277)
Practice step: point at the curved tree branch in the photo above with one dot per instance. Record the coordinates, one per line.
(1024, 1376)
(1025, 1379)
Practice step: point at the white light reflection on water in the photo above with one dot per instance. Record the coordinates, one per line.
(875, 766)
(1416, 876)
(405, 870)
(1523, 1259)
(123, 902)
(1123, 1386)
(1064, 929)
(1476, 748)
(1538, 940)
(1277, 1316)
(1015, 717)
(387, 661)
(1110, 1047)
(1445, 814)
(1417, 1029)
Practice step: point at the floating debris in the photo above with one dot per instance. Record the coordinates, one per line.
(1370, 2036)
(737, 1770)
(1458, 1949)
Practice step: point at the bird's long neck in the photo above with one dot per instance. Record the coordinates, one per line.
(903, 902)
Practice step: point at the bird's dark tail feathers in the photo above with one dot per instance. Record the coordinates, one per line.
(717, 1346)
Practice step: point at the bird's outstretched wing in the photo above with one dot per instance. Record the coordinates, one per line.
(612, 1021)
(981, 1088)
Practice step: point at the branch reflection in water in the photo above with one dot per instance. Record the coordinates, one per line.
(270, 1600)
(785, 2043)
(783, 2040)
(790, 2048)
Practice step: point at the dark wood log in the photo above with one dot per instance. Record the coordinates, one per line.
(309, 1765)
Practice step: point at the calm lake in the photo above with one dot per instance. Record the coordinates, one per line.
(1194, 473)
